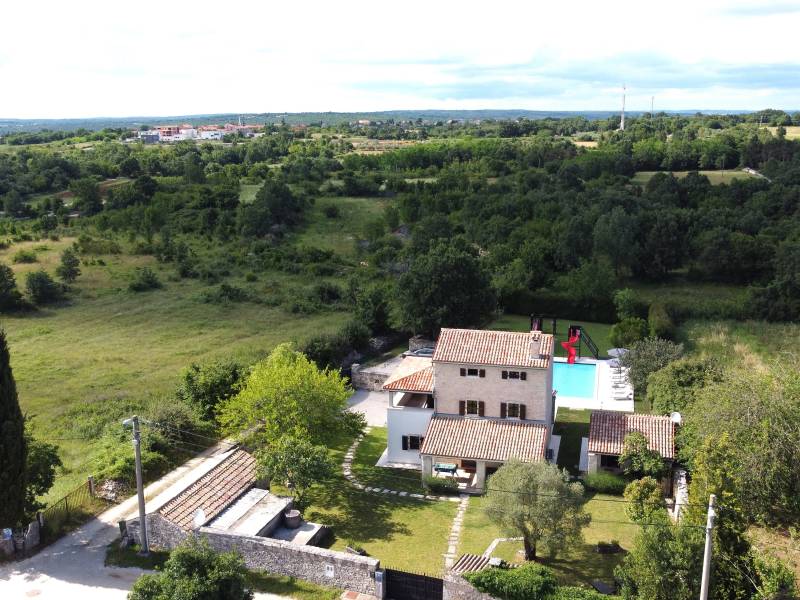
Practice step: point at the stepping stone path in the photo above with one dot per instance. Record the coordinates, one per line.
(347, 471)
(455, 532)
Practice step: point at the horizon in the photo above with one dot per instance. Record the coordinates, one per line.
(358, 57)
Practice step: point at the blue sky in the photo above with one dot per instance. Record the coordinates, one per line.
(89, 58)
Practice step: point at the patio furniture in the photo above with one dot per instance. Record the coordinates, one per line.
(449, 468)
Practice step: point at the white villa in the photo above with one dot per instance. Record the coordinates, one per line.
(482, 398)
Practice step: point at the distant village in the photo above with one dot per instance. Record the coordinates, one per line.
(178, 133)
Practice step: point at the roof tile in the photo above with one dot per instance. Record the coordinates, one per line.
(607, 431)
(501, 348)
(485, 439)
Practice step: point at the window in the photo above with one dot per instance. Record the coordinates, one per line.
(412, 442)
(512, 410)
(520, 375)
(471, 407)
(609, 462)
(473, 372)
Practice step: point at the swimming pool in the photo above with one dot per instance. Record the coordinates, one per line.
(574, 380)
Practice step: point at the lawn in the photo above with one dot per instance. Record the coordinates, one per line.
(339, 234)
(599, 332)
(715, 177)
(368, 453)
(108, 350)
(247, 192)
(752, 342)
(403, 533)
(578, 566)
(571, 425)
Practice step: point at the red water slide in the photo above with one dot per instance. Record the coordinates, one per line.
(569, 346)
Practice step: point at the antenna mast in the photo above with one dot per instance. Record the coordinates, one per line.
(622, 120)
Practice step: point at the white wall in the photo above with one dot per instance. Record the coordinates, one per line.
(405, 421)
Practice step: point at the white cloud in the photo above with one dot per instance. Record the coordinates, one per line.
(91, 58)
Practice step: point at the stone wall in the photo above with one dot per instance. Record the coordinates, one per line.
(318, 565)
(417, 342)
(364, 378)
(458, 588)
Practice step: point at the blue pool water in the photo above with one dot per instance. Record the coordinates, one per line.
(576, 380)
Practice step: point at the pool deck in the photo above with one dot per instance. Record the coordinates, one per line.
(611, 391)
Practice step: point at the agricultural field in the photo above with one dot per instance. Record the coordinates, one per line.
(792, 132)
(715, 177)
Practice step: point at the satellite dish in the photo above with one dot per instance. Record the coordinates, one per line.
(199, 517)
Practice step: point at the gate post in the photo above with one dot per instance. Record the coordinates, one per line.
(380, 587)
(91, 485)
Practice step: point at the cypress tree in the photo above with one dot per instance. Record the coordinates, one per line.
(12, 444)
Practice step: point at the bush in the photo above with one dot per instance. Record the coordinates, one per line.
(355, 334)
(89, 245)
(628, 331)
(226, 293)
(660, 322)
(576, 593)
(144, 279)
(628, 305)
(251, 277)
(439, 485)
(648, 356)
(673, 388)
(42, 288)
(326, 292)
(205, 386)
(331, 211)
(25, 256)
(606, 483)
(530, 581)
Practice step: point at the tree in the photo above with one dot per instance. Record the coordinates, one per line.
(638, 460)
(205, 386)
(538, 502)
(645, 499)
(69, 269)
(87, 194)
(628, 331)
(194, 571)
(41, 464)
(13, 448)
(446, 287)
(648, 356)
(42, 288)
(673, 388)
(372, 307)
(10, 298)
(298, 464)
(759, 410)
(286, 394)
(615, 238)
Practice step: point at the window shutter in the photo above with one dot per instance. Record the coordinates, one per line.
(523, 376)
(522, 411)
(482, 373)
(480, 408)
(463, 372)
(462, 407)
(503, 410)
(505, 375)
(421, 439)
(405, 442)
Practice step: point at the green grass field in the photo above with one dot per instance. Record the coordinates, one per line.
(339, 234)
(107, 348)
(715, 177)
(247, 192)
(599, 332)
(579, 565)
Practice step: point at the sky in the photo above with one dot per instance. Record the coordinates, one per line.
(170, 57)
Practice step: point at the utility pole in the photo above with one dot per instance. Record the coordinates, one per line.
(712, 515)
(145, 549)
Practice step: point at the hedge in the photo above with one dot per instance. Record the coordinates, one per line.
(606, 483)
(660, 322)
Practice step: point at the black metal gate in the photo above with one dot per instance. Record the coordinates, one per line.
(402, 585)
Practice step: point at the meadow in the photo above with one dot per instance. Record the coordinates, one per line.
(715, 177)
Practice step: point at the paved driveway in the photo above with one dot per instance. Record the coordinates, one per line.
(372, 404)
(72, 567)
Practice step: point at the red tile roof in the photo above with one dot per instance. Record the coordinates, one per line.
(501, 348)
(213, 492)
(607, 431)
(420, 381)
(485, 439)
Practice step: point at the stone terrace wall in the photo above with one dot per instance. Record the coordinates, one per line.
(364, 378)
(350, 571)
(458, 588)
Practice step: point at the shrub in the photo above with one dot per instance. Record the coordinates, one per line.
(205, 386)
(628, 331)
(42, 288)
(86, 244)
(606, 483)
(226, 293)
(10, 298)
(355, 334)
(326, 292)
(331, 211)
(440, 485)
(660, 322)
(144, 279)
(251, 277)
(673, 388)
(326, 349)
(25, 256)
(576, 593)
(648, 356)
(69, 269)
(530, 581)
(628, 305)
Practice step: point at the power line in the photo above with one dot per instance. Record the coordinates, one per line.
(206, 437)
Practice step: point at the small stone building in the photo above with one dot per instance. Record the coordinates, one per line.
(608, 430)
